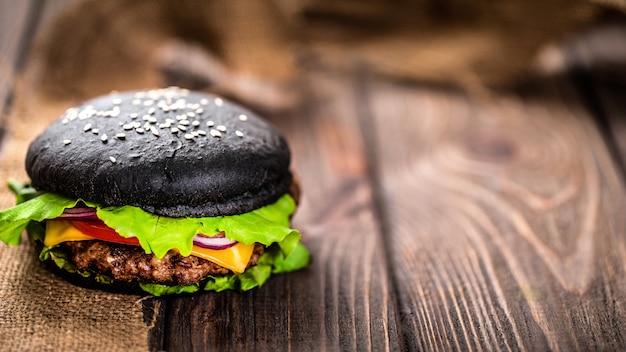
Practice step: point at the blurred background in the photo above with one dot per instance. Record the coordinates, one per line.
(255, 52)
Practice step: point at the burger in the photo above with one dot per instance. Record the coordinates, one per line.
(164, 191)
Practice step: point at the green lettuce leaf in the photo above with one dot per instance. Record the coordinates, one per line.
(159, 234)
(23, 192)
(14, 220)
(164, 290)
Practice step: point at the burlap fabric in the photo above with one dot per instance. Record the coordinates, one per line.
(250, 51)
(41, 312)
(38, 310)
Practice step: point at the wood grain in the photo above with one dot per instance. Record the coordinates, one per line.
(342, 301)
(505, 220)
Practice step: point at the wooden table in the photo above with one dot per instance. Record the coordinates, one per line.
(436, 221)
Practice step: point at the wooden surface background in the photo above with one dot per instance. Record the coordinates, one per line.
(436, 220)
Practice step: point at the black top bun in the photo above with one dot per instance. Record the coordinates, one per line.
(170, 151)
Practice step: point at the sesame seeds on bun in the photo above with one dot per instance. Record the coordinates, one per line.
(171, 152)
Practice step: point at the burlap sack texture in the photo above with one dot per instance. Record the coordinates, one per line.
(248, 50)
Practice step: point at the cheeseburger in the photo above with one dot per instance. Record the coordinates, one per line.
(166, 191)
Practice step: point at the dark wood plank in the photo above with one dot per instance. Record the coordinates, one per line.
(504, 230)
(343, 300)
(14, 24)
(599, 61)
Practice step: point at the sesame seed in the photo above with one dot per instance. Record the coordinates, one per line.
(133, 115)
(204, 101)
(95, 131)
(104, 138)
(202, 132)
(145, 117)
(184, 122)
(116, 101)
(154, 131)
(191, 114)
(219, 102)
(136, 101)
(87, 127)
(164, 125)
(243, 117)
(181, 117)
(146, 126)
(115, 112)
(139, 130)
(65, 121)
(136, 124)
(170, 121)
(120, 136)
(239, 133)
(67, 141)
(215, 133)
(148, 102)
(221, 128)
(174, 130)
(196, 123)
(182, 128)
(188, 136)
(151, 111)
(71, 113)
(210, 123)
(195, 133)
(86, 113)
(128, 126)
(113, 160)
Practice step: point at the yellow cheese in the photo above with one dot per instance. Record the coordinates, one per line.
(58, 231)
(235, 258)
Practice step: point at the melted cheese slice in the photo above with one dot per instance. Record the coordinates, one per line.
(235, 258)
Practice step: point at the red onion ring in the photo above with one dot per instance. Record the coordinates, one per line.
(82, 214)
(217, 243)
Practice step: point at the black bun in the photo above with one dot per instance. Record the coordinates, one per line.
(123, 149)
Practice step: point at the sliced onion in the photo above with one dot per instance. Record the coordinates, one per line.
(214, 242)
(84, 214)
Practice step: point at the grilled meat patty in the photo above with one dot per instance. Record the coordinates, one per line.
(131, 263)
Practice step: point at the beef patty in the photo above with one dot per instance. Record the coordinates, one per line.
(131, 263)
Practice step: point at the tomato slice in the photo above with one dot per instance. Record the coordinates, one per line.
(99, 230)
